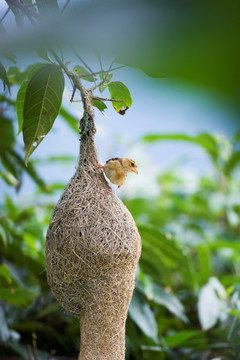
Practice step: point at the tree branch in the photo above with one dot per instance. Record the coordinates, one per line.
(85, 94)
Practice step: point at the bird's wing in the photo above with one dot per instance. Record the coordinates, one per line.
(115, 161)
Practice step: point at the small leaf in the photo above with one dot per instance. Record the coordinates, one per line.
(4, 78)
(119, 91)
(5, 273)
(80, 70)
(41, 105)
(107, 80)
(211, 303)
(233, 162)
(158, 295)
(10, 179)
(141, 313)
(20, 103)
(99, 104)
(180, 337)
(7, 138)
(3, 235)
(42, 53)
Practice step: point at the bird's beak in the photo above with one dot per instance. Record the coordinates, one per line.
(135, 170)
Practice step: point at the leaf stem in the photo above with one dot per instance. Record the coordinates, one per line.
(102, 71)
(5, 14)
(64, 7)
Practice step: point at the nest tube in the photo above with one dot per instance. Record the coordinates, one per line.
(92, 250)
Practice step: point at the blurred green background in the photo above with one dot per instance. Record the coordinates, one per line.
(183, 131)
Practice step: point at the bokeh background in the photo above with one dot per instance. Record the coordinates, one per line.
(182, 130)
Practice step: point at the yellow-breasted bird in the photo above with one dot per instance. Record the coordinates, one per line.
(116, 169)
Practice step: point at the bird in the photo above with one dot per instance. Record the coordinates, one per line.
(116, 170)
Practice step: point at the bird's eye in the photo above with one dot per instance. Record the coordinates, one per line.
(132, 164)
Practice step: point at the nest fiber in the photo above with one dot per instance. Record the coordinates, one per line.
(92, 250)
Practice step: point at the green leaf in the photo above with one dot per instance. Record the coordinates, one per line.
(5, 273)
(4, 78)
(234, 328)
(16, 296)
(141, 313)
(159, 254)
(10, 179)
(180, 337)
(107, 80)
(206, 141)
(119, 91)
(41, 105)
(3, 235)
(233, 162)
(158, 295)
(99, 104)
(20, 103)
(204, 263)
(82, 72)
(42, 53)
(71, 120)
(16, 76)
(7, 138)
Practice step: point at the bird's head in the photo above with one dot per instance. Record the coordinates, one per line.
(129, 165)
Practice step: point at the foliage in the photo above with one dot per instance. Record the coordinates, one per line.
(191, 250)
(42, 84)
(186, 302)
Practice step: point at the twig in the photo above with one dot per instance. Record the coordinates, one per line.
(102, 71)
(6, 12)
(73, 93)
(29, 352)
(105, 99)
(34, 343)
(84, 63)
(66, 4)
(100, 61)
(104, 79)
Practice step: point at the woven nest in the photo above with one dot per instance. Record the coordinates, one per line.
(92, 250)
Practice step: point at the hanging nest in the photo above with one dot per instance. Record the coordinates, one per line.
(92, 250)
